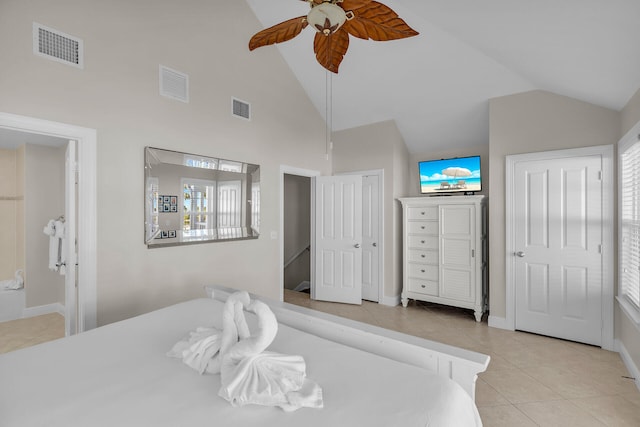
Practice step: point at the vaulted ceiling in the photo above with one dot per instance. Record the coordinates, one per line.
(437, 86)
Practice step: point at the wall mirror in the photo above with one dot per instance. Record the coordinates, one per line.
(196, 199)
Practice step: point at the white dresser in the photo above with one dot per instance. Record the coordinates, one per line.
(443, 247)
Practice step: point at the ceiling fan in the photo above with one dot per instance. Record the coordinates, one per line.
(334, 20)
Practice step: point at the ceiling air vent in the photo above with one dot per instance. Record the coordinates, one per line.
(174, 84)
(57, 46)
(241, 109)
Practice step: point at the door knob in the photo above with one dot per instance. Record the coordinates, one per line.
(375, 245)
(520, 254)
(357, 245)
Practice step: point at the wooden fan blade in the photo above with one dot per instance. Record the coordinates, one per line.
(331, 49)
(278, 33)
(378, 22)
(353, 4)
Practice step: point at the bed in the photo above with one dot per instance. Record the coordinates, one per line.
(119, 375)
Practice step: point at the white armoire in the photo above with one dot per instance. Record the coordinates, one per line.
(443, 247)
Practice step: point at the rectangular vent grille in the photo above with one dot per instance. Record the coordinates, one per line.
(174, 84)
(57, 46)
(241, 109)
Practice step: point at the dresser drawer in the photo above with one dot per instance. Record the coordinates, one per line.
(427, 212)
(422, 242)
(423, 271)
(423, 227)
(428, 287)
(427, 256)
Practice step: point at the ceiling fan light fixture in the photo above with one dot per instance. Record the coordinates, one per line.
(337, 20)
(326, 18)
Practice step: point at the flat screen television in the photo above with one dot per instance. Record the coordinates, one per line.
(461, 174)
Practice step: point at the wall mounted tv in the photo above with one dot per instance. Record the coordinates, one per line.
(461, 174)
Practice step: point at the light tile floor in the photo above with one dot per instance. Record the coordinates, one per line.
(21, 333)
(531, 380)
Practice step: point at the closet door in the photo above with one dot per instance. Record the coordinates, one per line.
(457, 252)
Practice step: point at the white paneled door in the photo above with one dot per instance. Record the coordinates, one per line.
(338, 239)
(558, 244)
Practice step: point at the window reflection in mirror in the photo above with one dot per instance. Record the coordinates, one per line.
(194, 199)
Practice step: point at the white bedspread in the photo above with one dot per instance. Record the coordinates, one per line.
(119, 375)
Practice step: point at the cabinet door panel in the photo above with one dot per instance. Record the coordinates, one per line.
(456, 252)
(457, 219)
(457, 284)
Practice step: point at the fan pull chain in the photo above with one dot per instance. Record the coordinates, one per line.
(328, 114)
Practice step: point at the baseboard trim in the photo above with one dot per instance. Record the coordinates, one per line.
(628, 362)
(499, 322)
(43, 309)
(391, 301)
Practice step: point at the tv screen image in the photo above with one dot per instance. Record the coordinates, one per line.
(450, 175)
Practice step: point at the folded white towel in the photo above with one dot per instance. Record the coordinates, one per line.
(60, 235)
(202, 349)
(16, 283)
(50, 230)
(198, 349)
(249, 375)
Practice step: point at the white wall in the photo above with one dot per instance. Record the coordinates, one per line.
(630, 114)
(43, 200)
(8, 206)
(21, 252)
(117, 94)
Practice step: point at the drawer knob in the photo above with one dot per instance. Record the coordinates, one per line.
(423, 256)
(423, 286)
(421, 241)
(421, 213)
(422, 271)
(422, 227)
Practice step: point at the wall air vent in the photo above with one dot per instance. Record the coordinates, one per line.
(240, 109)
(174, 84)
(57, 46)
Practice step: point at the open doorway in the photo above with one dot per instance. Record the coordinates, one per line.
(298, 212)
(32, 200)
(297, 233)
(296, 216)
(80, 313)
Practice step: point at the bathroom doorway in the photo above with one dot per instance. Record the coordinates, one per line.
(79, 298)
(32, 201)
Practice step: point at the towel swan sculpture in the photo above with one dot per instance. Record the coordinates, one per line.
(249, 374)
